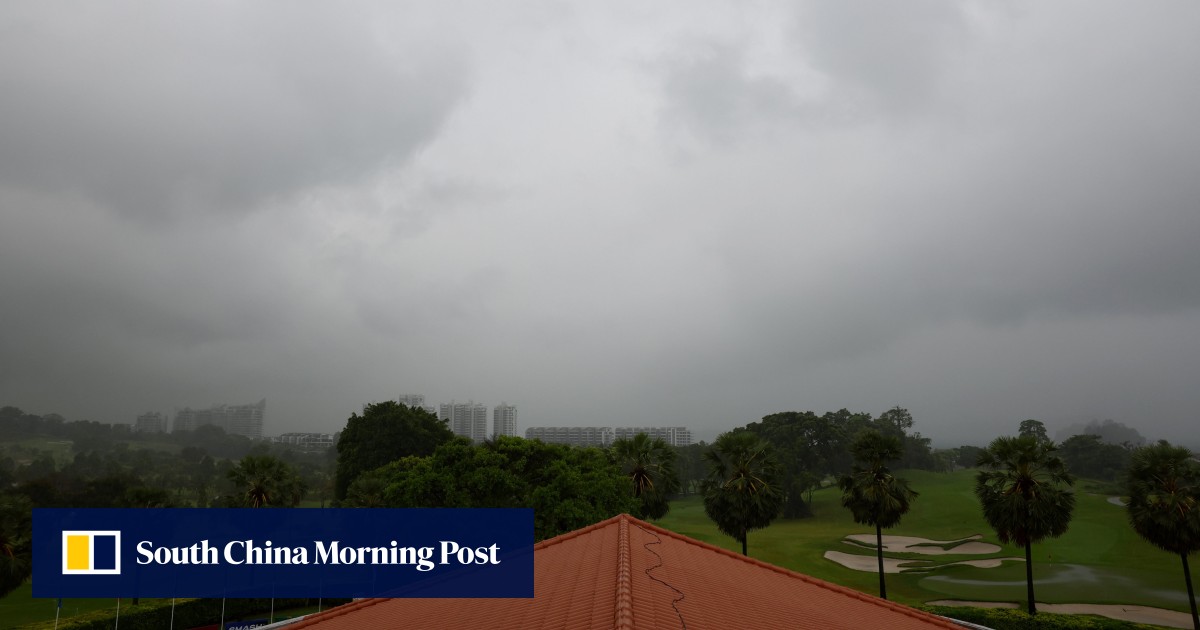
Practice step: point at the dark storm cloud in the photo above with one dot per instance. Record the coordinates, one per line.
(707, 213)
(155, 109)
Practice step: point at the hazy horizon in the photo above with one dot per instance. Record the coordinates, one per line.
(613, 214)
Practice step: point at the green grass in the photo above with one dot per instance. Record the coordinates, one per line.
(1099, 560)
(20, 607)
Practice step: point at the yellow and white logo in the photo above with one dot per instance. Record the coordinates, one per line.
(91, 552)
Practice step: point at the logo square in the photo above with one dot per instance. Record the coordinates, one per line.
(91, 552)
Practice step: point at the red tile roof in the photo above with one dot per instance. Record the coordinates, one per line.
(624, 573)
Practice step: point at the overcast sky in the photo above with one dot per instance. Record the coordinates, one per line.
(606, 213)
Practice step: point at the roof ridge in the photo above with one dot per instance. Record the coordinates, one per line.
(624, 611)
(336, 611)
(837, 588)
(561, 538)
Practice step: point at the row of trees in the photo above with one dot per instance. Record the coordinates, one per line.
(1023, 486)
(812, 448)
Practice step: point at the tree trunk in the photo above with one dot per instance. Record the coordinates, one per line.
(744, 542)
(879, 556)
(1029, 578)
(1187, 577)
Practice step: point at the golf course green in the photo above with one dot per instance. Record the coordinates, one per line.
(1100, 560)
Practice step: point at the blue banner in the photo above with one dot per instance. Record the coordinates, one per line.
(188, 552)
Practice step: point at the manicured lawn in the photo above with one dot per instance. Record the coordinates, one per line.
(1100, 559)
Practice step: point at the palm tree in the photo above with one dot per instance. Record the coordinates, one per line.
(873, 495)
(650, 465)
(741, 492)
(1023, 488)
(1164, 503)
(263, 480)
(368, 491)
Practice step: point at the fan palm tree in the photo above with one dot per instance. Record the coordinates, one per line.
(262, 480)
(650, 465)
(873, 495)
(742, 490)
(1164, 504)
(1023, 487)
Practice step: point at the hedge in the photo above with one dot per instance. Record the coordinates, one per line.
(1018, 619)
(189, 613)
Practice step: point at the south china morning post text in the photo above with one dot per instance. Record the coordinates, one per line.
(191, 552)
(237, 552)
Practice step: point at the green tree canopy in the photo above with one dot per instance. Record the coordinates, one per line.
(742, 490)
(384, 432)
(872, 493)
(1033, 428)
(1089, 456)
(567, 487)
(650, 465)
(1164, 504)
(1024, 488)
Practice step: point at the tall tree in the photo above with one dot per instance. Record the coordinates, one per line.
(650, 465)
(1023, 486)
(742, 490)
(872, 493)
(1164, 504)
(385, 432)
(1033, 428)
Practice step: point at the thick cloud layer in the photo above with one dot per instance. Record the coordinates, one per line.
(637, 214)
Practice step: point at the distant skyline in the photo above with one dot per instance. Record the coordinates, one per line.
(679, 214)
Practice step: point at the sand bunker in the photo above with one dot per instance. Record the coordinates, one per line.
(1117, 501)
(868, 563)
(1136, 614)
(912, 544)
(896, 565)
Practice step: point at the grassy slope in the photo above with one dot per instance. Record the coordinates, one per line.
(1120, 567)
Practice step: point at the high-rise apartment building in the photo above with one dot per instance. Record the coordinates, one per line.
(504, 419)
(416, 401)
(467, 419)
(244, 420)
(152, 422)
(188, 419)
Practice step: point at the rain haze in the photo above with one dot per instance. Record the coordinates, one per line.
(616, 214)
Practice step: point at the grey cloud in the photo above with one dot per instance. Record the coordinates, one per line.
(981, 214)
(882, 55)
(155, 109)
(710, 91)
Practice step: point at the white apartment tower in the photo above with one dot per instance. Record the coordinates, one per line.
(467, 419)
(504, 419)
(244, 420)
(416, 401)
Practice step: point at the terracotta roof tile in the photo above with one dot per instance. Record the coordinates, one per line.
(627, 574)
